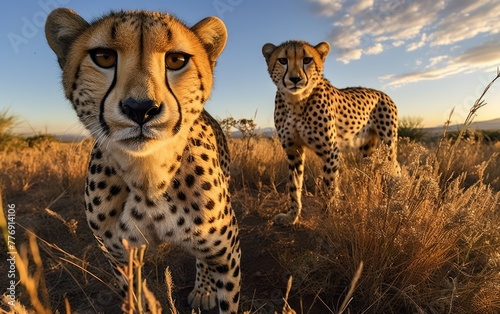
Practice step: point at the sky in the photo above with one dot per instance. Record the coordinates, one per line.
(430, 56)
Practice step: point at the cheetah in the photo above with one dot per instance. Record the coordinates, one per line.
(158, 170)
(310, 112)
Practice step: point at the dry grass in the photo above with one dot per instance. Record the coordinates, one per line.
(428, 242)
(43, 173)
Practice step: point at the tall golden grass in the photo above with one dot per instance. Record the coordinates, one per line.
(427, 242)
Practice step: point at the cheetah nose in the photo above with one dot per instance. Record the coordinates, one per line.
(140, 111)
(295, 79)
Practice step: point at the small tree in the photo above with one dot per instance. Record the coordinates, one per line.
(247, 128)
(226, 125)
(411, 127)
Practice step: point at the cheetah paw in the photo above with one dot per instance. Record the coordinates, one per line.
(284, 220)
(202, 300)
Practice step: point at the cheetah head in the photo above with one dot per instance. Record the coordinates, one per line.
(136, 79)
(295, 66)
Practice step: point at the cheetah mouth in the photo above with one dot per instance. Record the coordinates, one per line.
(138, 144)
(295, 89)
(137, 138)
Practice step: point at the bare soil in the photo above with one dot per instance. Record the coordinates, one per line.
(75, 269)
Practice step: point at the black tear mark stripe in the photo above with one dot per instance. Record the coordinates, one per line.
(286, 70)
(102, 121)
(304, 66)
(177, 126)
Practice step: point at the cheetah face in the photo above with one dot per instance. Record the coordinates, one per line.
(295, 66)
(136, 79)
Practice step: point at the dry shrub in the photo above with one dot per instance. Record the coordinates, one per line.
(428, 240)
(478, 160)
(256, 162)
(262, 163)
(425, 249)
(43, 173)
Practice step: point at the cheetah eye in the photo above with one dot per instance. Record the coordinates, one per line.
(283, 61)
(307, 60)
(176, 60)
(104, 57)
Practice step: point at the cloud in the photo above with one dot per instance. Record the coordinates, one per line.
(416, 45)
(398, 43)
(326, 7)
(435, 60)
(348, 55)
(374, 50)
(360, 6)
(485, 55)
(465, 20)
(367, 23)
(363, 27)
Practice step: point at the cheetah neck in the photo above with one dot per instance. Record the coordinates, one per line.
(296, 102)
(149, 174)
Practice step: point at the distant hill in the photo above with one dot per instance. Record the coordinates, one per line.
(489, 125)
(266, 132)
(68, 138)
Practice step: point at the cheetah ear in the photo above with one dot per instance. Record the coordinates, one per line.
(213, 34)
(267, 50)
(62, 27)
(323, 48)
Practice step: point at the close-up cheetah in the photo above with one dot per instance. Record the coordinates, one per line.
(158, 171)
(310, 112)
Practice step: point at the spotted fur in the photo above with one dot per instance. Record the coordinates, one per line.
(310, 112)
(159, 168)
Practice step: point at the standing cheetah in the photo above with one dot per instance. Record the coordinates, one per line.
(159, 167)
(310, 112)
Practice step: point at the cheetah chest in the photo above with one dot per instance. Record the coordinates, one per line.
(182, 201)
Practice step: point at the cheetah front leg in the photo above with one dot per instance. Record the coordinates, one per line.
(204, 292)
(330, 174)
(331, 162)
(218, 276)
(296, 158)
